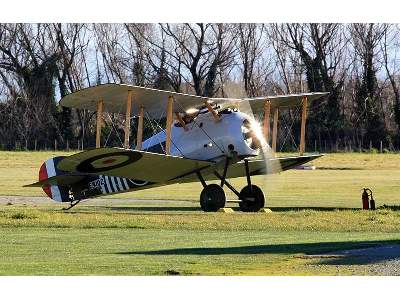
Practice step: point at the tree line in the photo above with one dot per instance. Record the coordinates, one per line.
(356, 63)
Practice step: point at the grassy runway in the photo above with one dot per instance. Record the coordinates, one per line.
(148, 238)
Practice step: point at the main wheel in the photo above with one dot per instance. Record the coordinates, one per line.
(252, 199)
(212, 198)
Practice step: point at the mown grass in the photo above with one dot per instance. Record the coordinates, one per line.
(122, 240)
(190, 218)
(107, 251)
(121, 237)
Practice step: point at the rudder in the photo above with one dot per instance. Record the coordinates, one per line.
(48, 169)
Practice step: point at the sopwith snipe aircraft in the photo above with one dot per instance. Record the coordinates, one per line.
(204, 139)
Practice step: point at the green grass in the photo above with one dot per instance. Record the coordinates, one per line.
(108, 251)
(109, 237)
(120, 240)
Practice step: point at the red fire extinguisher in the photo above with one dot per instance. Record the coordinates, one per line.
(365, 199)
(367, 203)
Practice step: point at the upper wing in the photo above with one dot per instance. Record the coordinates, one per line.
(114, 97)
(154, 101)
(131, 164)
(282, 101)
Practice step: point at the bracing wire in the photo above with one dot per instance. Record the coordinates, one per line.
(148, 117)
(162, 130)
(289, 129)
(111, 131)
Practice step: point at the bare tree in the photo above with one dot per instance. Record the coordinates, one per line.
(27, 56)
(389, 49)
(322, 48)
(205, 51)
(256, 69)
(164, 72)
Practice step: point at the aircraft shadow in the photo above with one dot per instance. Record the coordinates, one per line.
(308, 250)
(155, 208)
(139, 209)
(316, 208)
(339, 169)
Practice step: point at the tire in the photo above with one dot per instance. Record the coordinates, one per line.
(212, 198)
(255, 204)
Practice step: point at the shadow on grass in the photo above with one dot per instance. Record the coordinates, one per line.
(286, 209)
(155, 208)
(365, 255)
(339, 169)
(315, 250)
(177, 209)
(390, 207)
(134, 210)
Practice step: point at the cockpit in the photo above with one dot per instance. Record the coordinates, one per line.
(190, 115)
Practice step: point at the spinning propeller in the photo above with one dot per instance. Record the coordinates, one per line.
(252, 131)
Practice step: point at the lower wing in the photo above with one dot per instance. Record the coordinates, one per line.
(257, 167)
(126, 163)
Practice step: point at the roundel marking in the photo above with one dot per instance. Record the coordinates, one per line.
(113, 161)
(108, 161)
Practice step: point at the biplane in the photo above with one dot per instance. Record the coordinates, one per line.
(204, 139)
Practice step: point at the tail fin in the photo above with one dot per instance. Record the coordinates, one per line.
(47, 170)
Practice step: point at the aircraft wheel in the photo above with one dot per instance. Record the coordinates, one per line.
(212, 198)
(252, 199)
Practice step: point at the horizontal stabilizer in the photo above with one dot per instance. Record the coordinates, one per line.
(62, 180)
(134, 164)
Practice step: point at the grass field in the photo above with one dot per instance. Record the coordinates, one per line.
(118, 237)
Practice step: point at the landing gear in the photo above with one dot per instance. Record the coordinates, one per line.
(252, 199)
(251, 196)
(212, 198)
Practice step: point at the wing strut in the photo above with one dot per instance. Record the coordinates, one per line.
(139, 134)
(170, 105)
(303, 125)
(275, 129)
(267, 112)
(266, 126)
(99, 121)
(128, 119)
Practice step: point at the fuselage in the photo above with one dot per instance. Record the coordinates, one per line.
(208, 139)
